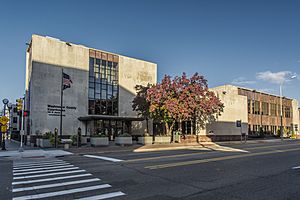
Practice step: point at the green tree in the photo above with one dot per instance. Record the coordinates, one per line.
(140, 103)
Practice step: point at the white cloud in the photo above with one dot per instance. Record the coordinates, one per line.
(275, 77)
(242, 81)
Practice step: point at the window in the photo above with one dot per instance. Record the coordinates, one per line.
(287, 112)
(265, 108)
(103, 87)
(249, 106)
(256, 107)
(273, 109)
(15, 120)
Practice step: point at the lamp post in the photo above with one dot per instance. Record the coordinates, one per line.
(281, 106)
(9, 106)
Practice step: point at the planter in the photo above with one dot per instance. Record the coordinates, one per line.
(99, 141)
(84, 139)
(145, 140)
(162, 139)
(45, 143)
(123, 140)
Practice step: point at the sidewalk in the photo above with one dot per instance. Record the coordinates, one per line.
(204, 146)
(13, 146)
(12, 151)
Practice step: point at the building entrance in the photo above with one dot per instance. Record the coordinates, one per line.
(112, 128)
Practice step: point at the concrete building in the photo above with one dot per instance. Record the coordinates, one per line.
(100, 93)
(257, 111)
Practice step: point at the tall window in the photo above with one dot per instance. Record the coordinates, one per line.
(273, 109)
(287, 112)
(265, 108)
(256, 107)
(103, 87)
(249, 106)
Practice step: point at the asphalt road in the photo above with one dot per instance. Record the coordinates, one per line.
(262, 171)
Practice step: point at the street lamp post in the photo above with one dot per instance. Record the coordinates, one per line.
(9, 106)
(281, 111)
(281, 106)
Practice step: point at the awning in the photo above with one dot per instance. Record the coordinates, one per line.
(109, 117)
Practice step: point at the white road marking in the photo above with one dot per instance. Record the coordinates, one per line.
(64, 192)
(45, 171)
(104, 158)
(49, 179)
(103, 196)
(36, 169)
(298, 167)
(43, 165)
(55, 185)
(38, 163)
(51, 174)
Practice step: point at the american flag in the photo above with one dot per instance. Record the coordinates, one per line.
(66, 81)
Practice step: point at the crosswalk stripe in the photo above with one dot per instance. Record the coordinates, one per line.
(43, 165)
(41, 168)
(55, 185)
(45, 171)
(64, 192)
(50, 174)
(103, 158)
(35, 163)
(103, 196)
(50, 179)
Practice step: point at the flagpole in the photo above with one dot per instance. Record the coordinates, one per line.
(61, 101)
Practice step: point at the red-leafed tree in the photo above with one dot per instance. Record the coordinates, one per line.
(182, 99)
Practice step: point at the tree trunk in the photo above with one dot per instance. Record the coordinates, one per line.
(169, 128)
(147, 124)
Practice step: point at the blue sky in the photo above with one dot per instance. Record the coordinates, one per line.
(226, 41)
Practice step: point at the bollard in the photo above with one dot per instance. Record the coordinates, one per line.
(79, 137)
(3, 141)
(55, 137)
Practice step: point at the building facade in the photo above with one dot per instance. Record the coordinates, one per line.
(99, 93)
(259, 113)
(14, 120)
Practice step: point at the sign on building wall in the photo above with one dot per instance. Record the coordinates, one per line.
(54, 110)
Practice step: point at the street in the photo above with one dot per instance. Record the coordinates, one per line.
(260, 171)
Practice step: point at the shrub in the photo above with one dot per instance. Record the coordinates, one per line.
(125, 135)
(47, 135)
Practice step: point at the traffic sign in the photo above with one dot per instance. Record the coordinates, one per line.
(3, 120)
(3, 129)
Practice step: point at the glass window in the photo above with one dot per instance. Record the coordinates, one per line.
(91, 67)
(249, 106)
(265, 108)
(256, 107)
(103, 87)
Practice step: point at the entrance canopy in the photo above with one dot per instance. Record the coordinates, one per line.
(109, 117)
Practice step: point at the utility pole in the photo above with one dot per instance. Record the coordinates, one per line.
(281, 111)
